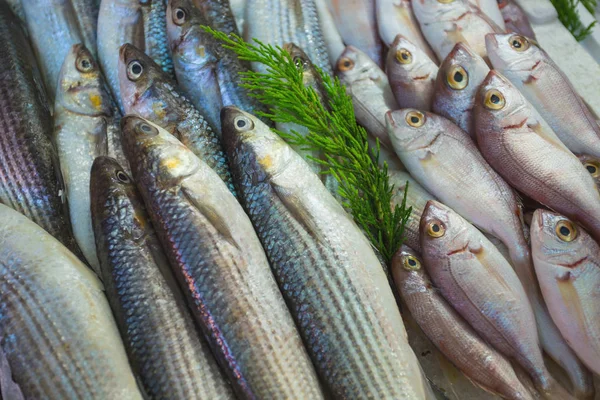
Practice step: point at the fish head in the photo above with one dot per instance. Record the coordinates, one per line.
(443, 232)
(155, 154)
(355, 65)
(592, 164)
(407, 63)
(310, 77)
(558, 242)
(433, 11)
(512, 52)
(81, 86)
(408, 271)
(250, 142)
(187, 40)
(412, 130)
(460, 75)
(137, 75)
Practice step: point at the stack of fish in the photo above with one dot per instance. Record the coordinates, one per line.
(159, 240)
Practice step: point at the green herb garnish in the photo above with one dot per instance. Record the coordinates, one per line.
(364, 185)
(569, 16)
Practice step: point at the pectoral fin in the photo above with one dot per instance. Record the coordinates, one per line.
(298, 210)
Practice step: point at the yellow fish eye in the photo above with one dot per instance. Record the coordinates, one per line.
(84, 64)
(404, 56)
(457, 78)
(436, 229)
(593, 168)
(494, 100)
(345, 64)
(415, 119)
(445, 1)
(410, 262)
(566, 230)
(519, 43)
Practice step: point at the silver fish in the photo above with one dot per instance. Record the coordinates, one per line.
(411, 74)
(515, 18)
(371, 93)
(57, 329)
(458, 81)
(219, 261)
(331, 35)
(548, 89)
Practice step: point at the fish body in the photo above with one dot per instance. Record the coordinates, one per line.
(567, 263)
(460, 76)
(396, 17)
(370, 90)
(547, 88)
(218, 260)
(86, 12)
(491, 9)
(82, 114)
(357, 24)
(411, 74)
(515, 18)
(527, 153)
(322, 261)
(483, 288)
(150, 311)
(30, 180)
(219, 14)
(331, 35)
(57, 329)
(238, 9)
(450, 333)
(150, 93)
(445, 23)
(277, 22)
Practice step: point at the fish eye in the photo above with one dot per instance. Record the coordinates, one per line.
(404, 56)
(593, 168)
(134, 70)
(566, 230)
(519, 43)
(457, 78)
(122, 177)
(345, 64)
(146, 129)
(84, 64)
(410, 262)
(436, 229)
(243, 123)
(179, 16)
(494, 100)
(415, 119)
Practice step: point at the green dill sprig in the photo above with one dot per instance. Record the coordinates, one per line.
(590, 5)
(569, 16)
(363, 184)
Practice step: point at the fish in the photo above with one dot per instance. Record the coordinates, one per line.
(219, 14)
(592, 165)
(56, 327)
(238, 9)
(17, 8)
(370, 90)
(277, 22)
(200, 57)
(521, 146)
(447, 22)
(53, 28)
(331, 35)
(150, 310)
(9, 389)
(150, 93)
(411, 74)
(323, 263)
(357, 24)
(547, 88)
(140, 23)
(460, 76)
(86, 13)
(484, 289)
(220, 264)
(396, 17)
(567, 263)
(82, 114)
(515, 18)
(491, 8)
(416, 197)
(30, 179)
(450, 333)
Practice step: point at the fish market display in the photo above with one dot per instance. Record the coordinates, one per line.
(458, 81)
(450, 332)
(515, 18)
(567, 262)
(30, 180)
(526, 152)
(140, 23)
(396, 17)
(322, 260)
(149, 309)
(546, 87)
(483, 288)
(282, 21)
(82, 116)
(447, 22)
(370, 90)
(220, 263)
(57, 329)
(150, 93)
(411, 74)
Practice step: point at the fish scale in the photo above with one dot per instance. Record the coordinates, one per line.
(155, 27)
(29, 177)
